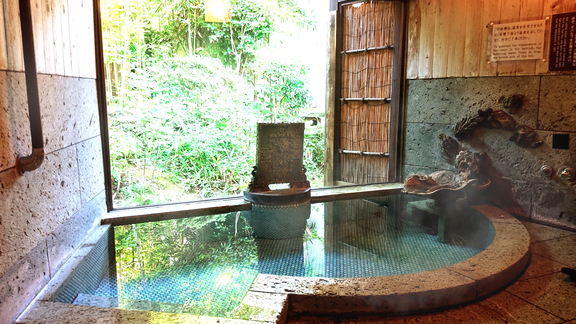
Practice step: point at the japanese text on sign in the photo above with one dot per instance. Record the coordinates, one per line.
(563, 42)
(518, 41)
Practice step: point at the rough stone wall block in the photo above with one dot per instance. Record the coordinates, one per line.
(68, 237)
(14, 124)
(45, 214)
(22, 283)
(557, 101)
(436, 105)
(37, 204)
(69, 110)
(90, 168)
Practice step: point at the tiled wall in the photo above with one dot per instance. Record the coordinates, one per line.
(434, 106)
(46, 213)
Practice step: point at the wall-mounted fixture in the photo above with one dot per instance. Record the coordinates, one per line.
(566, 175)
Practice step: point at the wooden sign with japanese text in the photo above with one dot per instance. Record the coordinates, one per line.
(563, 42)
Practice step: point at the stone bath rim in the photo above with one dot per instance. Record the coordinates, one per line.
(489, 271)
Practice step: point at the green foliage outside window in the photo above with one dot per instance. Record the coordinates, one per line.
(185, 96)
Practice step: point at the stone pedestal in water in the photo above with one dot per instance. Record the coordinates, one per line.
(279, 214)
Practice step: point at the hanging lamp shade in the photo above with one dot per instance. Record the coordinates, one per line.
(217, 10)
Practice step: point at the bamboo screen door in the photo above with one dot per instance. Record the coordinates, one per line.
(369, 44)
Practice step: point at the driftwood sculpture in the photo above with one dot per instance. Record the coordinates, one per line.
(512, 103)
(523, 136)
(470, 175)
(500, 120)
(475, 174)
(449, 148)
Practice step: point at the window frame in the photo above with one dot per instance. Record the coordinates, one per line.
(212, 206)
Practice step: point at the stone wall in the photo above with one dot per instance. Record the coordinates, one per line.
(434, 106)
(45, 214)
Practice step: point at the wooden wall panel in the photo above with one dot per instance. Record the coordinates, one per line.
(63, 37)
(426, 46)
(442, 39)
(457, 37)
(490, 13)
(414, 16)
(529, 10)
(569, 6)
(38, 29)
(3, 52)
(73, 23)
(473, 38)
(449, 38)
(57, 34)
(48, 32)
(510, 12)
(66, 47)
(14, 56)
(549, 8)
(88, 53)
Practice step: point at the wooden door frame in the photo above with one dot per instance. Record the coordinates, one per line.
(397, 129)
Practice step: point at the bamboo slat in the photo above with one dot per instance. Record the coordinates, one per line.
(3, 48)
(529, 10)
(365, 124)
(378, 83)
(414, 17)
(367, 75)
(473, 38)
(14, 54)
(426, 48)
(442, 38)
(364, 127)
(457, 40)
(510, 13)
(364, 169)
(367, 25)
(490, 13)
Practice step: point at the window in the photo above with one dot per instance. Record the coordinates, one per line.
(185, 93)
(175, 73)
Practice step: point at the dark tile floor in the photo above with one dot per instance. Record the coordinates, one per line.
(541, 295)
